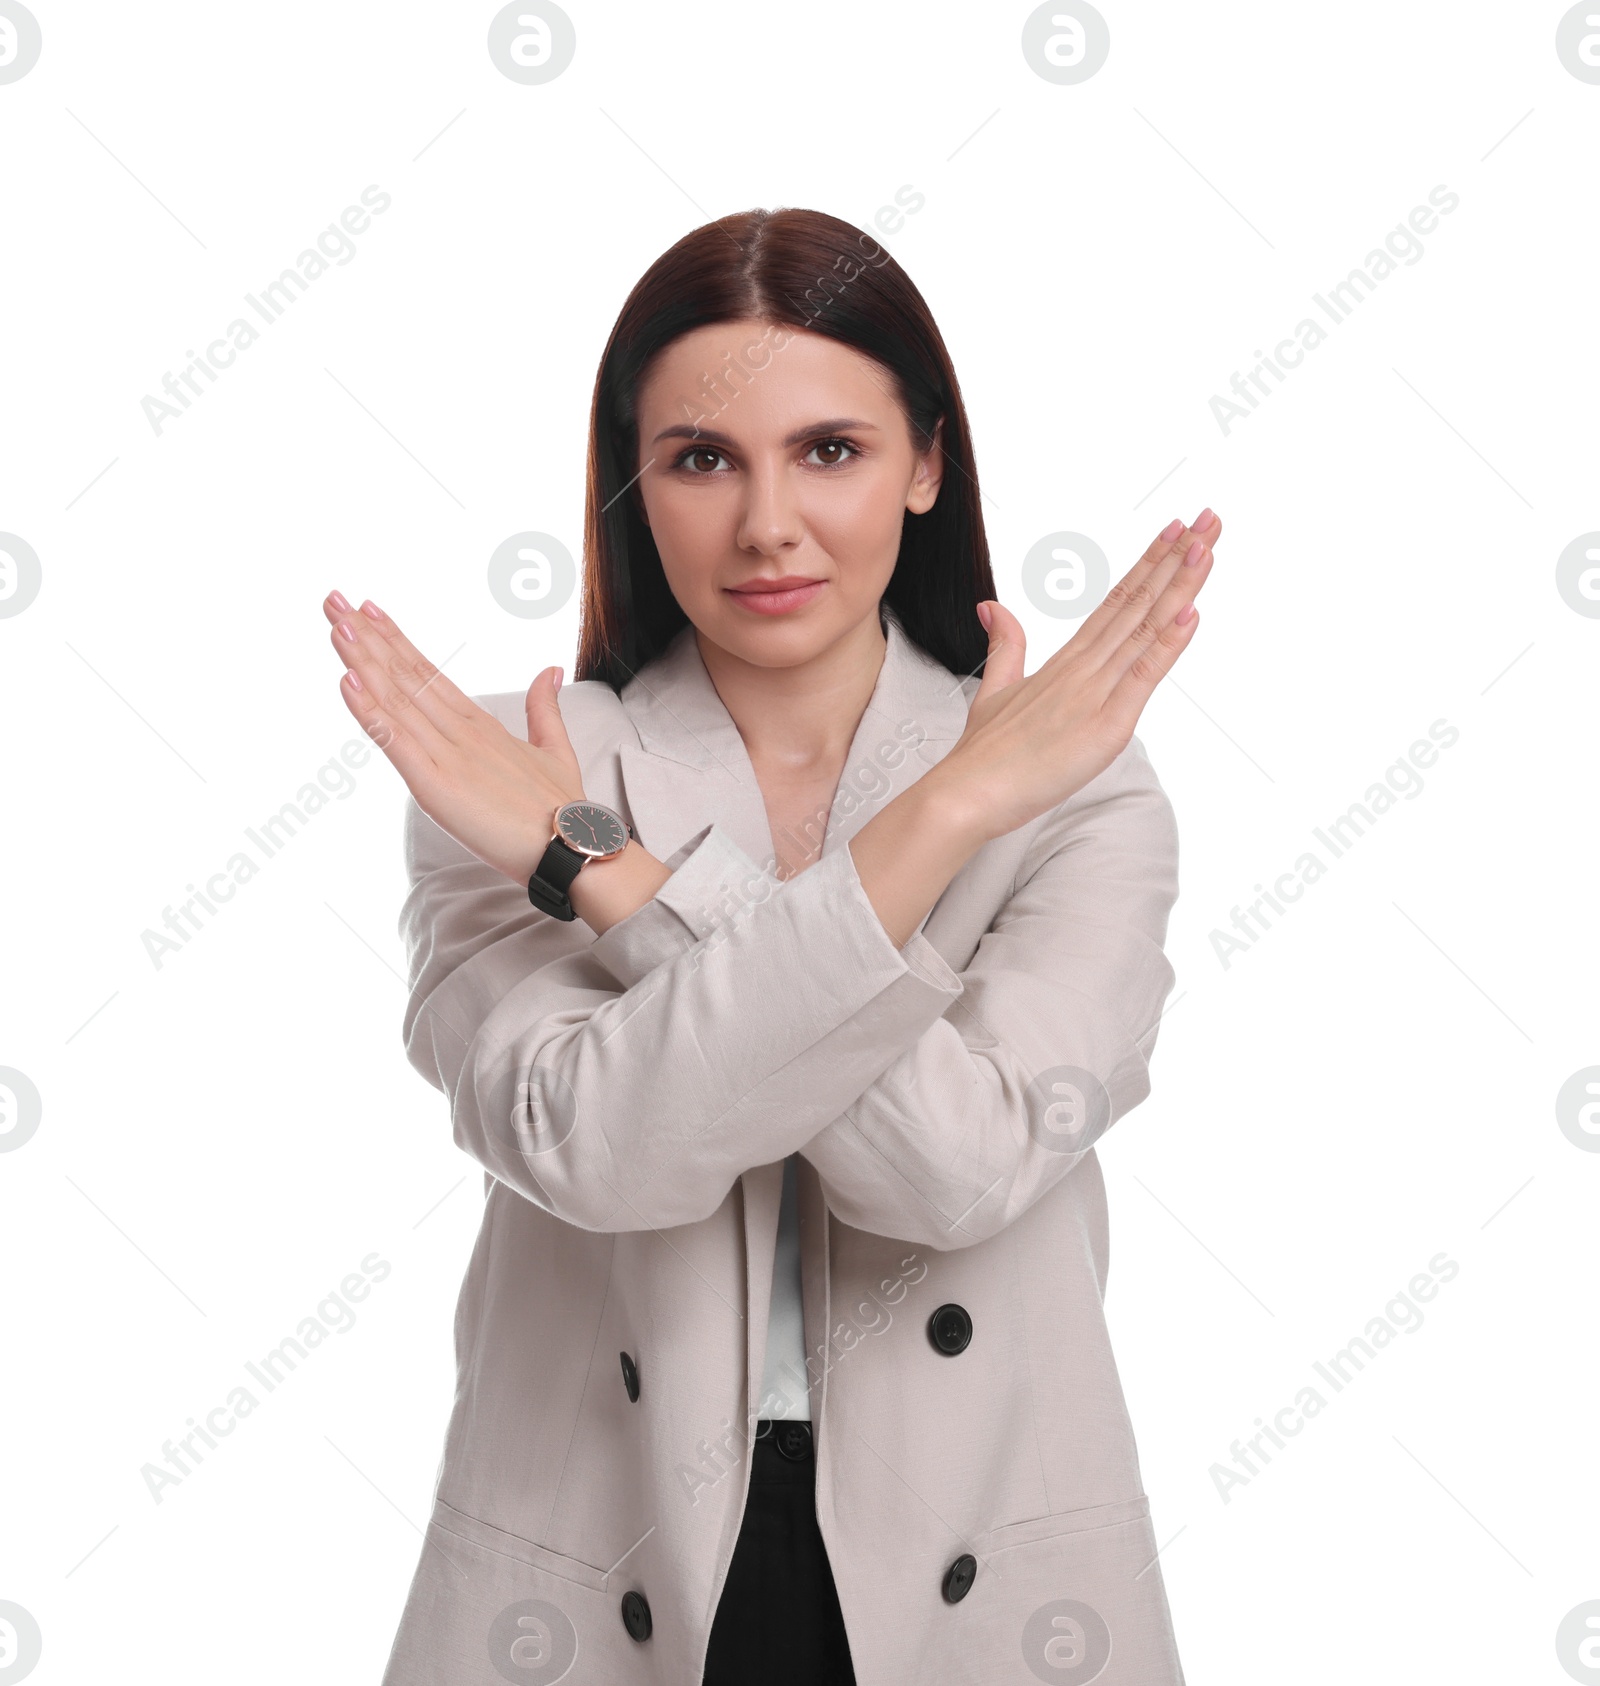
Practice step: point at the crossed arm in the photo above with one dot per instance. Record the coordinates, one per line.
(626, 1081)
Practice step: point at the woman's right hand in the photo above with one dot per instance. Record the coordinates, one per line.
(1031, 742)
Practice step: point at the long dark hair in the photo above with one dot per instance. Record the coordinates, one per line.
(805, 270)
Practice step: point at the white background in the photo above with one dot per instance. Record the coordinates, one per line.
(227, 1136)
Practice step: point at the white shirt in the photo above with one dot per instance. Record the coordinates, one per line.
(784, 1390)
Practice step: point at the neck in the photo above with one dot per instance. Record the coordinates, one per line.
(801, 718)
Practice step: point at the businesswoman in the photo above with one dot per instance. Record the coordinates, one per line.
(781, 974)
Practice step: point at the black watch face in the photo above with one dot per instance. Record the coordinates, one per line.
(591, 829)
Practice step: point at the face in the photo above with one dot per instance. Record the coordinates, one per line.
(799, 473)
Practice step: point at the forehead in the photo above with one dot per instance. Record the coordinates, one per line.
(781, 375)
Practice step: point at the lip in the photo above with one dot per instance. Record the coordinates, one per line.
(776, 597)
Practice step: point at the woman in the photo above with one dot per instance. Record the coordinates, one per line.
(781, 1351)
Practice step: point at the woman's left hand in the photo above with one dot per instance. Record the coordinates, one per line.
(493, 793)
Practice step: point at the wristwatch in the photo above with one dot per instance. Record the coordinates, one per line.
(584, 831)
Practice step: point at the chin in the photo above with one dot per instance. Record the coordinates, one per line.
(775, 646)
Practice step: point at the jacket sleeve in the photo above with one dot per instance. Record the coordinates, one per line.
(626, 1081)
(1048, 1044)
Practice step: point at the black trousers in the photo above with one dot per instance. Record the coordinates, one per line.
(778, 1621)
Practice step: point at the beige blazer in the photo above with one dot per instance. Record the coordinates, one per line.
(631, 1099)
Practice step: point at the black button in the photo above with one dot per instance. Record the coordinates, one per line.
(958, 1578)
(636, 1614)
(630, 1376)
(950, 1329)
(794, 1438)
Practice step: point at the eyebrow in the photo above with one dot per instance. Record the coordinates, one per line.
(838, 424)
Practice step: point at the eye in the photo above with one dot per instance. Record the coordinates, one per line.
(683, 458)
(836, 444)
(692, 460)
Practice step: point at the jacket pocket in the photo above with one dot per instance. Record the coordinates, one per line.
(1066, 1522)
(1076, 1596)
(485, 1535)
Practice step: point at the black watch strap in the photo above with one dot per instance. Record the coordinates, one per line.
(553, 877)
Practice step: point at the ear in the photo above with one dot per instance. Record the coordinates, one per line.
(929, 475)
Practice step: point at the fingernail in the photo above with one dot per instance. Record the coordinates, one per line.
(558, 678)
(347, 632)
(1171, 530)
(1185, 614)
(1197, 549)
(372, 610)
(337, 599)
(1203, 519)
(985, 616)
(354, 678)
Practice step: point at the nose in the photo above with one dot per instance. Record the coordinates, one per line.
(770, 519)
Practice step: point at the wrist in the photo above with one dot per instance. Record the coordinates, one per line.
(544, 832)
(945, 800)
(908, 853)
(583, 836)
(606, 892)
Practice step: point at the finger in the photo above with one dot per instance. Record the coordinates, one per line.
(387, 711)
(404, 661)
(1180, 590)
(1133, 596)
(1147, 669)
(1140, 587)
(391, 730)
(1008, 648)
(396, 674)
